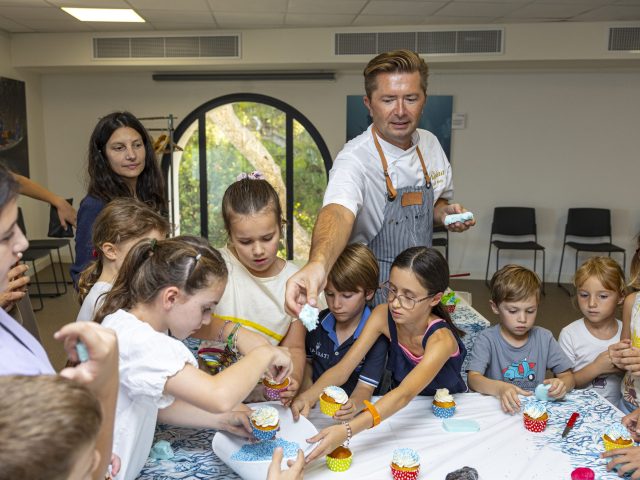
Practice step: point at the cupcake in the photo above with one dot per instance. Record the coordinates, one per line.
(265, 422)
(535, 417)
(339, 460)
(443, 404)
(272, 390)
(449, 301)
(405, 464)
(332, 399)
(617, 436)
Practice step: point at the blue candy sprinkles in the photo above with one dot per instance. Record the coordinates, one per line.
(263, 451)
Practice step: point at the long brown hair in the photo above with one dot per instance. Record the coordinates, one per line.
(121, 220)
(249, 196)
(153, 265)
(634, 280)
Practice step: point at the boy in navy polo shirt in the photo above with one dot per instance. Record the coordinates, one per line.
(352, 282)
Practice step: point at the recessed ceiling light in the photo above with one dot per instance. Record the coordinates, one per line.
(104, 14)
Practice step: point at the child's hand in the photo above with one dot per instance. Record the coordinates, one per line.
(509, 397)
(281, 364)
(346, 412)
(631, 422)
(16, 288)
(100, 372)
(626, 459)
(237, 422)
(604, 364)
(301, 406)
(558, 388)
(329, 439)
(287, 395)
(615, 352)
(295, 468)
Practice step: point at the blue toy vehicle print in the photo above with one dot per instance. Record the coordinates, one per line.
(519, 371)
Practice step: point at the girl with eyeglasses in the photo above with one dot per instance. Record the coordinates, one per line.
(425, 351)
(165, 291)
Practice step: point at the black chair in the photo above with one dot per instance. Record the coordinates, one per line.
(441, 240)
(515, 222)
(40, 249)
(589, 223)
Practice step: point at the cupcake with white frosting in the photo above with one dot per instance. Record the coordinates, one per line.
(332, 399)
(617, 436)
(535, 416)
(443, 404)
(405, 464)
(265, 422)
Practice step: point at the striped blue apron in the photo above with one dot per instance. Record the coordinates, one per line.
(408, 220)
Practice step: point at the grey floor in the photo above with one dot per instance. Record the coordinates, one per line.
(556, 311)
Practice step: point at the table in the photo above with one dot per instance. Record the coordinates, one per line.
(467, 319)
(502, 449)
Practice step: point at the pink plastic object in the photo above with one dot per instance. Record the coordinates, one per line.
(583, 473)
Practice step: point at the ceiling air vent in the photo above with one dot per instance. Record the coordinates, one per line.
(457, 42)
(624, 39)
(167, 47)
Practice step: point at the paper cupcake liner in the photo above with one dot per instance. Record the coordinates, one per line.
(635, 341)
(534, 425)
(405, 474)
(450, 308)
(613, 446)
(441, 412)
(273, 393)
(263, 434)
(338, 464)
(329, 408)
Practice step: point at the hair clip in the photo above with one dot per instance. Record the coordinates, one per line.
(94, 253)
(198, 257)
(255, 175)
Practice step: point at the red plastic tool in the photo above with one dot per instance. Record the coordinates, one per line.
(572, 420)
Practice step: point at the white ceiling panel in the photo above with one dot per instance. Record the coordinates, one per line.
(477, 9)
(326, 7)
(249, 20)
(185, 27)
(94, 4)
(185, 5)
(23, 3)
(245, 6)
(387, 20)
(612, 13)
(20, 14)
(444, 20)
(13, 27)
(587, 3)
(404, 7)
(167, 16)
(119, 27)
(318, 20)
(555, 11)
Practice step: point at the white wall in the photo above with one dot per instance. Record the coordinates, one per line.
(549, 140)
(36, 213)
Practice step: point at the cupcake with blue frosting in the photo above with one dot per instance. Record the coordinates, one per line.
(405, 464)
(535, 416)
(616, 436)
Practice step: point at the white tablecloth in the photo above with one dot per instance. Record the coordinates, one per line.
(502, 449)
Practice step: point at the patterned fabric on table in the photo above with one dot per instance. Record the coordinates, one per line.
(471, 322)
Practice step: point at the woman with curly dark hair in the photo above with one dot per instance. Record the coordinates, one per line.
(121, 163)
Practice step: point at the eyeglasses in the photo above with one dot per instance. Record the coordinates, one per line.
(407, 303)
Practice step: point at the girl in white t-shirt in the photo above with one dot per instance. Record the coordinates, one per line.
(600, 289)
(254, 296)
(118, 227)
(165, 291)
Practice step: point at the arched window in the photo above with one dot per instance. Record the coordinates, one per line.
(242, 133)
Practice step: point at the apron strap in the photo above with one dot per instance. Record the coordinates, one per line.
(391, 191)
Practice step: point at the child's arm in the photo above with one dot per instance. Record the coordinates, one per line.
(184, 414)
(338, 374)
(440, 346)
(506, 392)
(294, 341)
(307, 378)
(355, 404)
(220, 329)
(623, 354)
(222, 392)
(602, 365)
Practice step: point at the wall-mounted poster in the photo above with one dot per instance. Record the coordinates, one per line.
(14, 151)
(436, 117)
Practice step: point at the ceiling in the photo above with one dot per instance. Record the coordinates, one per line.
(45, 16)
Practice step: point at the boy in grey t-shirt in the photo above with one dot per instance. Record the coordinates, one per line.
(512, 358)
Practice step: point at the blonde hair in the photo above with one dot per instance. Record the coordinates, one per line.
(513, 283)
(356, 268)
(121, 220)
(44, 422)
(606, 270)
(634, 280)
(397, 61)
(185, 262)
